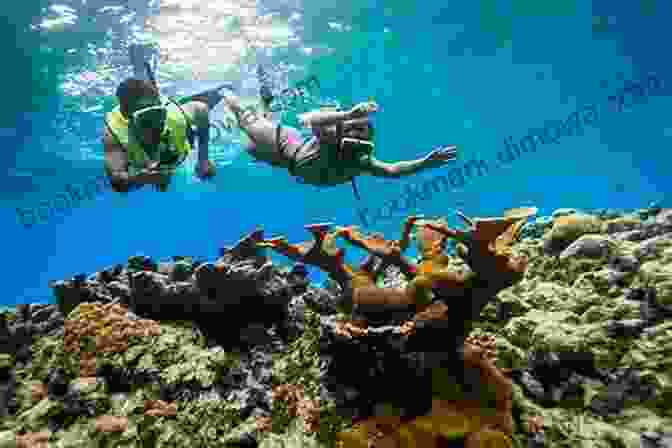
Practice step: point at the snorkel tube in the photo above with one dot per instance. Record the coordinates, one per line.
(150, 75)
(178, 160)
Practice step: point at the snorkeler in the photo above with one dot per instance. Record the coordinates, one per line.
(340, 149)
(148, 136)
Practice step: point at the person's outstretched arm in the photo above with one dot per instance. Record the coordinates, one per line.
(434, 159)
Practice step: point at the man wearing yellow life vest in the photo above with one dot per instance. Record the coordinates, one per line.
(148, 136)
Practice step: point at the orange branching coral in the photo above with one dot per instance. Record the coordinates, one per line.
(33, 440)
(390, 252)
(111, 423)
(299, 405)
(111, 329)
(159, 408)
(321, 252)
(486, 246)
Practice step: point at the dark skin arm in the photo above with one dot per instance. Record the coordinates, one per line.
(116, 166)
(199, 112)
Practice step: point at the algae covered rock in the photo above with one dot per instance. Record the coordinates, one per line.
(650, 354)
(589, 246)
(622, 224)
(568, 228)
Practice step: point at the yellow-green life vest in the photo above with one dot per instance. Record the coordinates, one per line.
(177, 143)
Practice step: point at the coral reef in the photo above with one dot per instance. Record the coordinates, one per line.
(551, 332)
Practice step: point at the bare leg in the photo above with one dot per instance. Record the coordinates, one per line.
(260, 129)
(210, 97)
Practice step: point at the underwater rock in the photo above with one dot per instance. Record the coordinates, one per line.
(622, 224)
(7, 385)
(652, 247)
(664, 217)
(656, 439)
(624, 263)
(69, 294)
(626, 328)
(587, 246)
(563, 212)
(568, 228)
(244, 440)
(624, 386)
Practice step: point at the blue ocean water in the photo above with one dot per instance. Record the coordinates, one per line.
(470, 73)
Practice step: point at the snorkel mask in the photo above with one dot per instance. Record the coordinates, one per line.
(152, 117)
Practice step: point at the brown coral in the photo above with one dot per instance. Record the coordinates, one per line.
(107, 329)
(352, 328)
(159, 408)
(264, 423)
(38, 392)
(535, 424)
(494, 380)
(111, 423)
(33, 440)
(299, 405)
(486, 343)
(85, 381)
(87, 364)
(446, 421)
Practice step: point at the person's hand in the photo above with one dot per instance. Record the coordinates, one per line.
(363, 109)
(119, 180)
(151, 165)
(442, 155)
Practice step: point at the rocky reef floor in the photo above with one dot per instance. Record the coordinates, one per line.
(241, 352)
